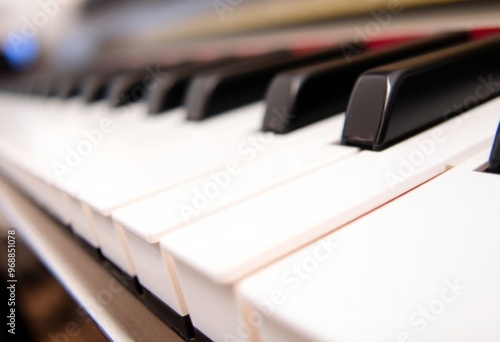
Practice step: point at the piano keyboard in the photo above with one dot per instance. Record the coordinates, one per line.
(288, 196)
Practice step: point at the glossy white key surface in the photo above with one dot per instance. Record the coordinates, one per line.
(147, 220)
(421, 268)
(57, 125)
(135, 158)
(158, 169)
(239, 180)
(179, 159)
(144, 157)
(230, 244)
(35, 128)
(142, 161)
(136, 163)
(320, 201)
(35, 131)
(40, 133)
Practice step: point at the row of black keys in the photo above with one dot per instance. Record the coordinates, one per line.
(388, 94)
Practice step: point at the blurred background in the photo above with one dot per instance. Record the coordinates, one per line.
(79, 34)
(70, 35)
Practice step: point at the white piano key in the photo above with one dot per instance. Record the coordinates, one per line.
(246, 177)
(62, 128)
(33, 129)
(154, 165)
(420, 268)
(107, 121)
(42, 193)
(227, 246)
(152, 217)
(151, 141)
(124, 172)
(153, 272)
(147, 220)
(155, 172)
(52, 126)
(37, 129)
(134, 131)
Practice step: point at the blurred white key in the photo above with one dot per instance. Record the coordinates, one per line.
(57, 125)
(40, 191)
(156, 167)
(213, 253)
(39, 133)
(136, 164)
(421, 268)
(34, 130)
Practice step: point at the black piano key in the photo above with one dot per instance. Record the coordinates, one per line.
(94, 86)
(126, 87)
(133, 86)
(170, 93)
(398, 100)
(68, 85)
(303, 96)
(236, 85)
(495, 154)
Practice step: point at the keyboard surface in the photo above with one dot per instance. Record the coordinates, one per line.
(240, 215)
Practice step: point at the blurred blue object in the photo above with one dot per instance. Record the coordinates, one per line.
(20, 51)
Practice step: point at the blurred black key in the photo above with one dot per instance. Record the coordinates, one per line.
(126, 87)
(395, 101)
(233, 86)
(171, 91)
(94, 86)
(133, 86)
(303, 96)
(68, 85)
(495, 154)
